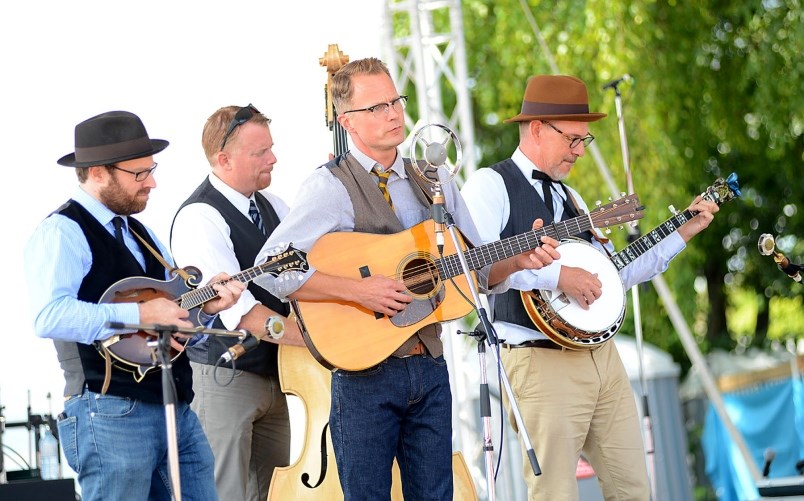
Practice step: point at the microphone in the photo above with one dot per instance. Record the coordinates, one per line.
(615, 83)
(247, 343)
(770, 454)
(435, 154)
(767, 247)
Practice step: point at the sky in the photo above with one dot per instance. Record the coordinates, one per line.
(173, 64)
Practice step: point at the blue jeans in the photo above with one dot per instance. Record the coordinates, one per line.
(118, 447)
(400, 408)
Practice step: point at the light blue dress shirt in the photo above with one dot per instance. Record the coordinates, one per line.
(57, 258)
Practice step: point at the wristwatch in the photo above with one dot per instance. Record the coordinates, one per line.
(275, 327)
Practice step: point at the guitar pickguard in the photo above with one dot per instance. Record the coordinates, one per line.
(419, 309)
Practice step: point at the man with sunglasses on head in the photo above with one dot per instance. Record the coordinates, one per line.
(402, 407)
(113, 428)
(222, 226)
(571, 401)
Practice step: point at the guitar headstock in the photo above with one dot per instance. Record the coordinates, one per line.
(286, 259)
(621, 211)
(722, 190)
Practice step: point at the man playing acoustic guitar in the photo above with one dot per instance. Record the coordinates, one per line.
(113, 427)
(570, 400)
(400, 407)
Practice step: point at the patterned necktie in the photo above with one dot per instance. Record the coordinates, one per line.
(547, 191)
(255, 216)
(117, 221)
(383, 176)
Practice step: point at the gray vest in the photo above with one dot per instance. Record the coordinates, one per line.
(374, 215)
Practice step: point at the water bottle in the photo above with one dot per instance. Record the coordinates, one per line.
(49, 450)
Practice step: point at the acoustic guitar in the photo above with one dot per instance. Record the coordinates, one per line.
(436, 283)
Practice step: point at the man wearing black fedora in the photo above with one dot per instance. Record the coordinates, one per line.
(113, 428)
(571, 400)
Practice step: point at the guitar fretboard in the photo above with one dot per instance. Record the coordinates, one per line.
(487, 254)
(647, 241)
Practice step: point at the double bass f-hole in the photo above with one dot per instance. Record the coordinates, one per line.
(305, 478)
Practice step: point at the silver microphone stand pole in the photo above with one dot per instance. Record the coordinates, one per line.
(162, 347)
(436, 156)
(643, 385)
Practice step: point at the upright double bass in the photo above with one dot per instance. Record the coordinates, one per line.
(314, 475)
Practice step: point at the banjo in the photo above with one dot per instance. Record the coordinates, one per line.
(564, 321)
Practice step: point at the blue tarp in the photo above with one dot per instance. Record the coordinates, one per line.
(770, 415)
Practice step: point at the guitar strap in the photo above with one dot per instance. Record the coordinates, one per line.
(601, 240)
(107, 355)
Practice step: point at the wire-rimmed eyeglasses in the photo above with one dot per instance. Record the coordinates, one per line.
(139, 176)
(397, 104)
(242, 116)
(573, 141)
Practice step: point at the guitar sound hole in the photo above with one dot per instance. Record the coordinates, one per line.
(420, 276)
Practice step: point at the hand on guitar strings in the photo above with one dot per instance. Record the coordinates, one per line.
(532, 260)
(579, 284)
(704, 211)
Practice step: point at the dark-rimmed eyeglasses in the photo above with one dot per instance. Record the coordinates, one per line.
(139, 176)
(242, 116)
(397, 104)
(573, 141)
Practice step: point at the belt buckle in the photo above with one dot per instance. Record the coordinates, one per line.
(416, 349)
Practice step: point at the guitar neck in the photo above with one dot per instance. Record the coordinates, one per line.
(487, 254)
(647, 241)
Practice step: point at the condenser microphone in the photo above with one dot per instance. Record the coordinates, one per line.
(435, 154)
(615, 83)
(769, 455)
(247, 343)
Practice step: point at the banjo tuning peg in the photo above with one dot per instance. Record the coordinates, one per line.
(672, 209)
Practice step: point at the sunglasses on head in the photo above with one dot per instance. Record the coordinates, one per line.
(242, 116)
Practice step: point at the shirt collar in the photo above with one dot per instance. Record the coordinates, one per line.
(95, 207)
(368, 163)
(240, 201)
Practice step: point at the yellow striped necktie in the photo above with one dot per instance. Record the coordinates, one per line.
(383, 177)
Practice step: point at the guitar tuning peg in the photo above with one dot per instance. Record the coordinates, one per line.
(621, 227)
(598, 203)
(608, 231)
(622, 194)
(672, 209)
(610, 200)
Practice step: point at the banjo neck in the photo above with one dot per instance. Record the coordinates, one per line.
(719, 192)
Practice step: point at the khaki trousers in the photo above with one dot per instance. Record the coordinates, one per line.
(573, 401)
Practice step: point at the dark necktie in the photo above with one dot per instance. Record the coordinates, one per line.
(255, 216)
(383, 176)
(117, 221)
(547, 192)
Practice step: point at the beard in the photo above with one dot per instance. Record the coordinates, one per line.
(118, 201)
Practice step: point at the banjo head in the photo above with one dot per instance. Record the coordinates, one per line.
(608, 310)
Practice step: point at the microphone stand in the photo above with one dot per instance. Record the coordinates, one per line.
(487, 335)
(169, 398)
(632, 236)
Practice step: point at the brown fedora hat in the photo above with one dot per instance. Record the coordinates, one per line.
(556, 97)
(109, 138)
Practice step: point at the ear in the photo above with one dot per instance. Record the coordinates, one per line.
(98, 174)
(222, 159)
(535, 130)
(345, 122)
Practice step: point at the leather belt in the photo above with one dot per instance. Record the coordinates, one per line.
(537, 343)
(416, 349)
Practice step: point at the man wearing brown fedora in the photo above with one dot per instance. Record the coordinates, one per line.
(572, 401)
(113, 428)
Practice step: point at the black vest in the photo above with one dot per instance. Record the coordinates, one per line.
(111, 262)
(247, 241)
(526, 205)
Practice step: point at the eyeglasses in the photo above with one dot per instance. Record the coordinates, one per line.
(139, 176)
(397, 104)
(573, 141)
(242, 116)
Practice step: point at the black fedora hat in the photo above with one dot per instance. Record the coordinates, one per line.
(109, 138)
